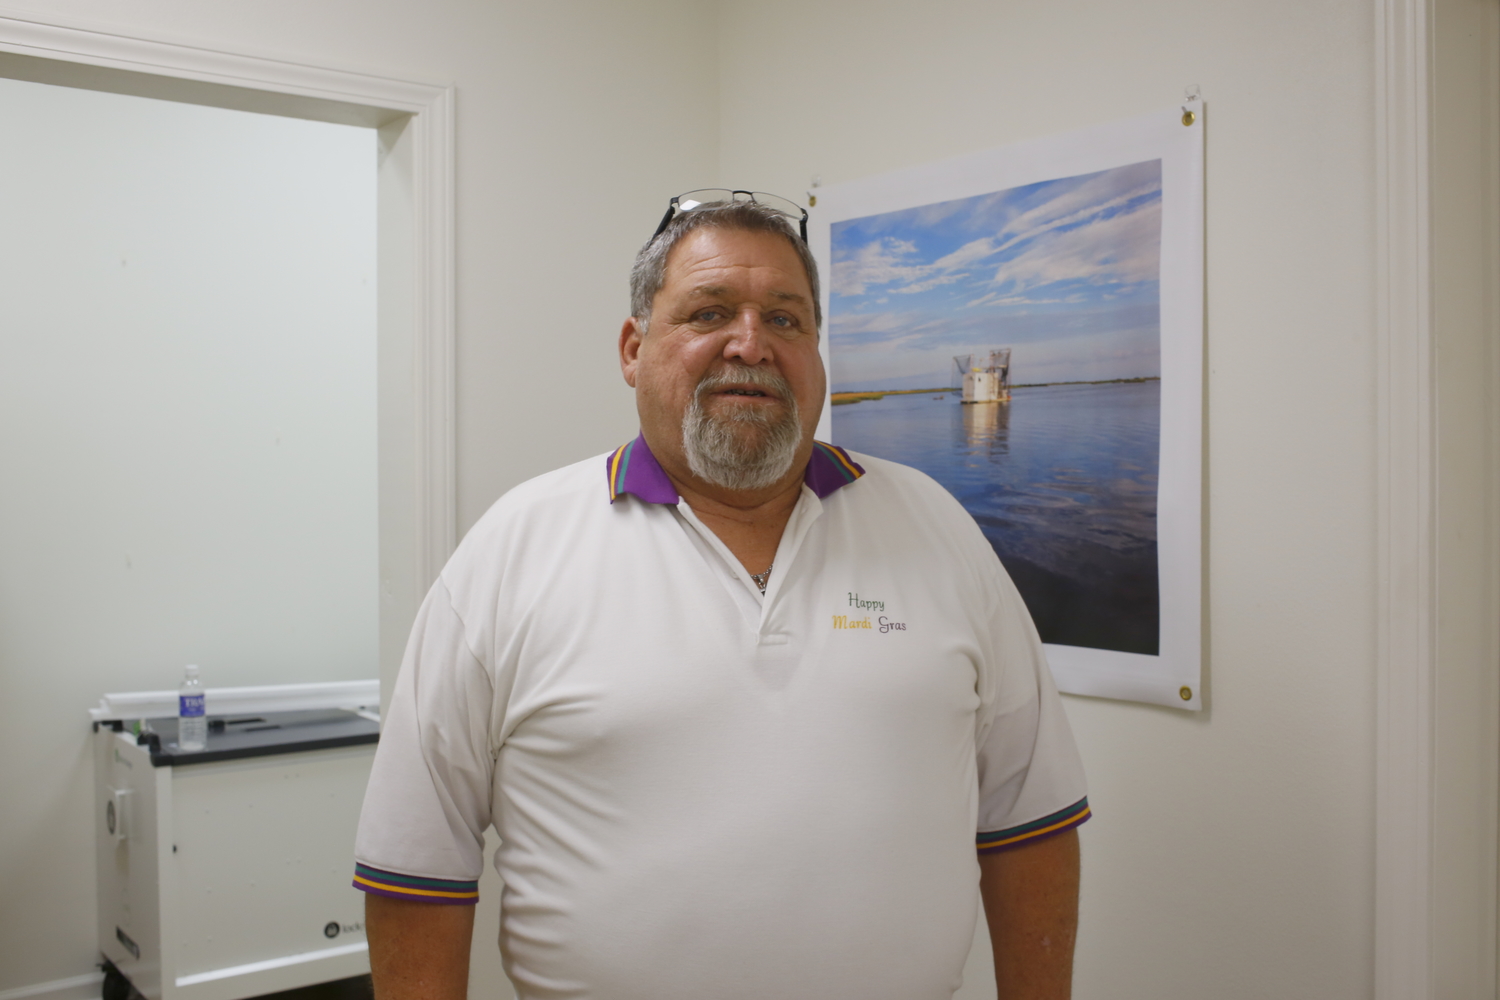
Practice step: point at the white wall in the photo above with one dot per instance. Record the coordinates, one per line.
(566, 126)
(1231, 854)
(187, 433)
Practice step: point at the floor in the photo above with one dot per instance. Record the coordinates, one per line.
(357, 988)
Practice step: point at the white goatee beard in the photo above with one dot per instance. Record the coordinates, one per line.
(744, 448)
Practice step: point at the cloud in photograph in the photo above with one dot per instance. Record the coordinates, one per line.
(1066, 269)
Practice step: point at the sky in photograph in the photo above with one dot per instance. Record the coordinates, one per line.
(1064, 272)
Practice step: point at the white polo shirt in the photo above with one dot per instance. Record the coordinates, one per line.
(702, 792)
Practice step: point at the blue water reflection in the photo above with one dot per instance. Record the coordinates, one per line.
(1062, 480)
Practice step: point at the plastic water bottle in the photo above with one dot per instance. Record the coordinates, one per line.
(192, 724)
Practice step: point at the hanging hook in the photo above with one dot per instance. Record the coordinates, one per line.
(1192, 103)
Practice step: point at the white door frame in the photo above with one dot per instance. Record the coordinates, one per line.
(1406, 474)
(1434, 765)
(414, 122)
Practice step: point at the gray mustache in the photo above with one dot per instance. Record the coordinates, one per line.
(763, 378)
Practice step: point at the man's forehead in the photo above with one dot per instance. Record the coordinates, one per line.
(713, 261)
(714, 291)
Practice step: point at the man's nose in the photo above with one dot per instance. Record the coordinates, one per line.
(749, 338)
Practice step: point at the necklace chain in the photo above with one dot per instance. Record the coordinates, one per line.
(762, 578)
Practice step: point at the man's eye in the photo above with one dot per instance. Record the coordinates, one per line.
(708, 316)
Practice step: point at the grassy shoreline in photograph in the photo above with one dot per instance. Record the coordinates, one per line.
(1102, 381)
(840, 398)
(844, 398)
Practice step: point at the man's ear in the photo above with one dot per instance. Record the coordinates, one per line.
(631, 335)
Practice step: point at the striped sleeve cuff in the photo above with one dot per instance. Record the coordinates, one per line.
(1038, 829)
(427, 890)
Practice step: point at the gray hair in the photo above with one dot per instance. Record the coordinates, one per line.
(649, 272)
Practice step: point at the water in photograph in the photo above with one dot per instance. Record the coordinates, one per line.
(1062, 480)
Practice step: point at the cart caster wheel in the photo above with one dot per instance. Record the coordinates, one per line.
(116, 986)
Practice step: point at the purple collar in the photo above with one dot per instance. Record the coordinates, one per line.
(632, 468)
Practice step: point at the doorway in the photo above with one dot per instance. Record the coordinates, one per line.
(409, 126)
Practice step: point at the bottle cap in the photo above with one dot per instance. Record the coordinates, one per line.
(192, 670)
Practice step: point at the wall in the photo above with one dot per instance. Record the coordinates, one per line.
(563, 128)
(1231, 854)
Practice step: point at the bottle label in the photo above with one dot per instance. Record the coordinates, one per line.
(189, 705)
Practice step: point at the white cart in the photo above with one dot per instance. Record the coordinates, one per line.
(226, 873)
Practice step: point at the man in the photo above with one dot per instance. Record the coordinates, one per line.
(737, 703)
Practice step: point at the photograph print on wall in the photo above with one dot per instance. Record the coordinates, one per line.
(1019, 325)
(1008, 345)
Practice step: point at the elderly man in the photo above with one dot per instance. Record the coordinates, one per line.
(753, 717)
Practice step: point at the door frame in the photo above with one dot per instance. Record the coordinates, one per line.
(1437, 733)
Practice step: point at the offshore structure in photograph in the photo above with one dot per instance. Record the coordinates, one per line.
(986, 381)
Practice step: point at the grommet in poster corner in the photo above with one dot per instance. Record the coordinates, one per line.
(1186, 693)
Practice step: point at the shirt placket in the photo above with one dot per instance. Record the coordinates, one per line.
(809, 508)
